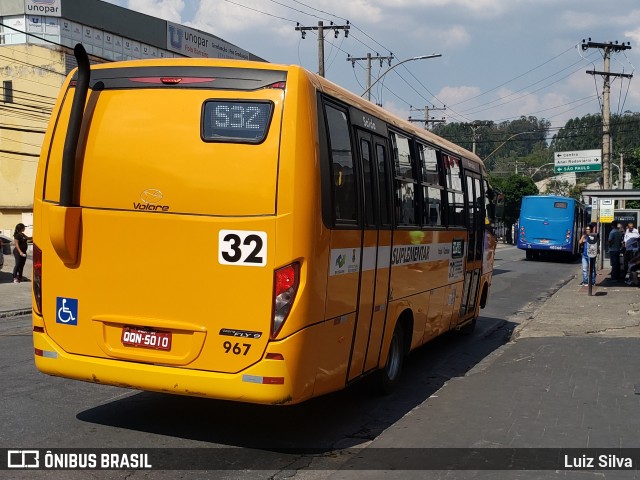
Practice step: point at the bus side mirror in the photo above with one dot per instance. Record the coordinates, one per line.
(491, 213)
(499, 206)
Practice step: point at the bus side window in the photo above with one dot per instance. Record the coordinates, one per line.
(406, 197)
(431, 187)
(455, 195)
(480, 216)
(343, 186)
(489, 205)
(383, 186)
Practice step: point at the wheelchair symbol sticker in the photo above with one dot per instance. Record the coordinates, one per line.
(67, 311)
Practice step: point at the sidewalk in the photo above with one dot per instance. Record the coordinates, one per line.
(15, 298)
(569, 378)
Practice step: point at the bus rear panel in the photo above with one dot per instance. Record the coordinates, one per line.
(550, 224)
(164, 273)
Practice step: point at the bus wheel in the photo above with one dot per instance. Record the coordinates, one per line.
(529, 255)
(389, 376)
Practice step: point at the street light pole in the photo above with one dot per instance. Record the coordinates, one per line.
(503, 143)
(421, 57)
(620, 182)
(540, 168)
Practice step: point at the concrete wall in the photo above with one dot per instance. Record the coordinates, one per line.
(37, 71)
(23, 122)
(11, 7)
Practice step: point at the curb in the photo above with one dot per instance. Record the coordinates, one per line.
(515, 335)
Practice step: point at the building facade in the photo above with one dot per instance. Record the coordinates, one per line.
(36, 53)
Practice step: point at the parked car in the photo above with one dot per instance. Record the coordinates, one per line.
(5, 248)
(6, 245)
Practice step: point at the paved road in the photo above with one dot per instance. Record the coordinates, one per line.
(47, 412)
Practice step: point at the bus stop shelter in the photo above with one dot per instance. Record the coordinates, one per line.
(595, 196)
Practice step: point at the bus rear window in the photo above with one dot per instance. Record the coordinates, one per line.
(559, 204)
(236, 121)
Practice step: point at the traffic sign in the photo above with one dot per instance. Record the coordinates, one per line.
(577, 168)
(606, 210)
(578, 161)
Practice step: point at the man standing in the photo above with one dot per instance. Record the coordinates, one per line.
(631, 244)
(615, 244)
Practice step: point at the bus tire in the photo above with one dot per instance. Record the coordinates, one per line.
(529, 255)
(389, 376)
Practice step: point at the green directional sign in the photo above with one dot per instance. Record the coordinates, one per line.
(577, 161)
(594, 167)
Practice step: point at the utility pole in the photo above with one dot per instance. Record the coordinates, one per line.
(623, 203)
(607, 49)
(475, 126)
(368, 59)
(426, 120)
(321, 28)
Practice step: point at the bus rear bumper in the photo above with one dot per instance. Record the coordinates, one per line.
(544, 247)
(266, 382)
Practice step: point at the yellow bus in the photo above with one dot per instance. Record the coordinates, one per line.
(246, 231)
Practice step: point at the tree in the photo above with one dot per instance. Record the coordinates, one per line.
(558, 187)
(523, 143)
(632, 165)
(564, 189)
(513, 188)
(500, 138)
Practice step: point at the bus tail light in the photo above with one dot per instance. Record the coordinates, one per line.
(567, 237)
(522, 236)
(37, 277)
(285, 287)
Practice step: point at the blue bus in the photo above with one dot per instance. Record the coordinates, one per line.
(550, 224)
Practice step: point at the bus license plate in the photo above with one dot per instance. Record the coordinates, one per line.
(138, 337)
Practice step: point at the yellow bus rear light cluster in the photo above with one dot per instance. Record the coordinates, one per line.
(37, 278)
(45, 353)
(285, 287)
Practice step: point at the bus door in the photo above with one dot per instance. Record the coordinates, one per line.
(376, 253)
(474, 200)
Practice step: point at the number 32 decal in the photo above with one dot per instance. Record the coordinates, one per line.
(242, 247)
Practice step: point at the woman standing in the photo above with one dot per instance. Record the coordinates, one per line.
(19, 252)
(586, 260)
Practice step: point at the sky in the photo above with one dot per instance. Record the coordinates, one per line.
(501, 59)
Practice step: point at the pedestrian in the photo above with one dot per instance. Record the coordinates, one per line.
(631, 244)
(634, 265)
(585, 259)
(615, 244)
(19, 252)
